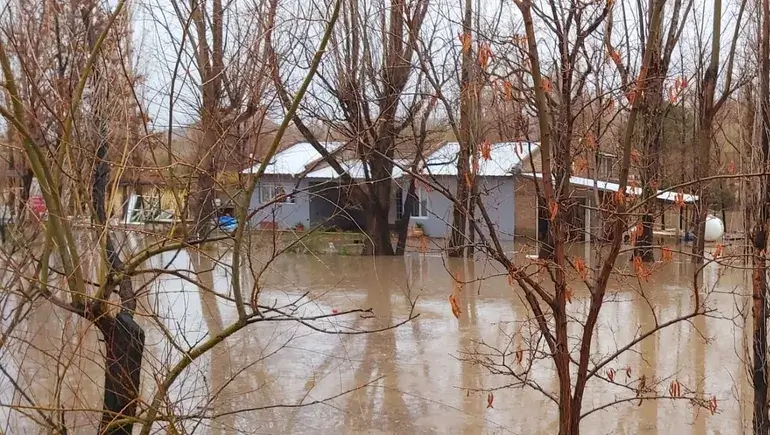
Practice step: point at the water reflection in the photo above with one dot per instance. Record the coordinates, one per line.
(415, 378)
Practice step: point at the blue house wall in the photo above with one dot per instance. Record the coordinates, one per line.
(285, 215)
(497, 196)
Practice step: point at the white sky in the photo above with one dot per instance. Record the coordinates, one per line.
(158, 43)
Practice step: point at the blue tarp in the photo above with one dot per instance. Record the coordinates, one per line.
(228, 223)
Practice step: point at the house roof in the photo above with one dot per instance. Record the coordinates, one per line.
(505, 157)
(614, 187)
(302, 160)
(295, 159)
(354, 168)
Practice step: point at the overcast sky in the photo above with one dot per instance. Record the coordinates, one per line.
(158, 43)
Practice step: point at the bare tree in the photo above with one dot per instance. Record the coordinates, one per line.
(707, 110)
(548, 285)
(96, 260)
(374, 64)
(655, 107)
(759, 239)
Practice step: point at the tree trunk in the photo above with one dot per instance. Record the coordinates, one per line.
(26, 187)
(567, 420)
(471, 218)
(378, 235)
(468, 96)
(378, 204)
(123, 337)
(759, 335)
(402, 227)
(702, 170)
(124, 341)
(707, 109)
(202, 204)
(650, 171)
(759, 273)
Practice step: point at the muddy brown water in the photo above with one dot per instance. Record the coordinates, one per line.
(418, 380)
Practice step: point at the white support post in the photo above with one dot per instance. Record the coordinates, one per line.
(588, 219)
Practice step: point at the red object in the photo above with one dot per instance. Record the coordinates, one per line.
(335, 311)
(37, 205)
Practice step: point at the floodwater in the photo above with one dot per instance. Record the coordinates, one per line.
(283, 377)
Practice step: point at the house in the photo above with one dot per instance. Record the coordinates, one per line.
(286, 196)
(162, 171)
(312, 195)
(586, 193)
(495, 183)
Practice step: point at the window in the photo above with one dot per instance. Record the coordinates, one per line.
(605, 165)
(420, 207)
(269, 192)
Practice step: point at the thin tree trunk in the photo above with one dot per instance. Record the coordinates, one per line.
(467, 107)
(202, 204)
(403, 224)
(123, 337)
(759, 281)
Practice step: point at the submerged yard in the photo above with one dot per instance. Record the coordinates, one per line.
(429, 375)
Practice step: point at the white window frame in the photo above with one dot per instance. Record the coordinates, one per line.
(267, 193)
(418, 207)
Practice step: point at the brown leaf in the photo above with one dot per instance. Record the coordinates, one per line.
(455, 306)
(679, 200)
(672, 95)
(580, 267)
(553, 208)
(465, 40)
(545, 84)
(490, 399)
(580, 164)
(675, 389)
(640, 270)
(611, 374)
(485, 53)
(635, 156)
(508, 90)
(620, 197)
(614, 55)
(486, 150)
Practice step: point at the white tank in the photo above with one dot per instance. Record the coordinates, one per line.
(715, 229)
